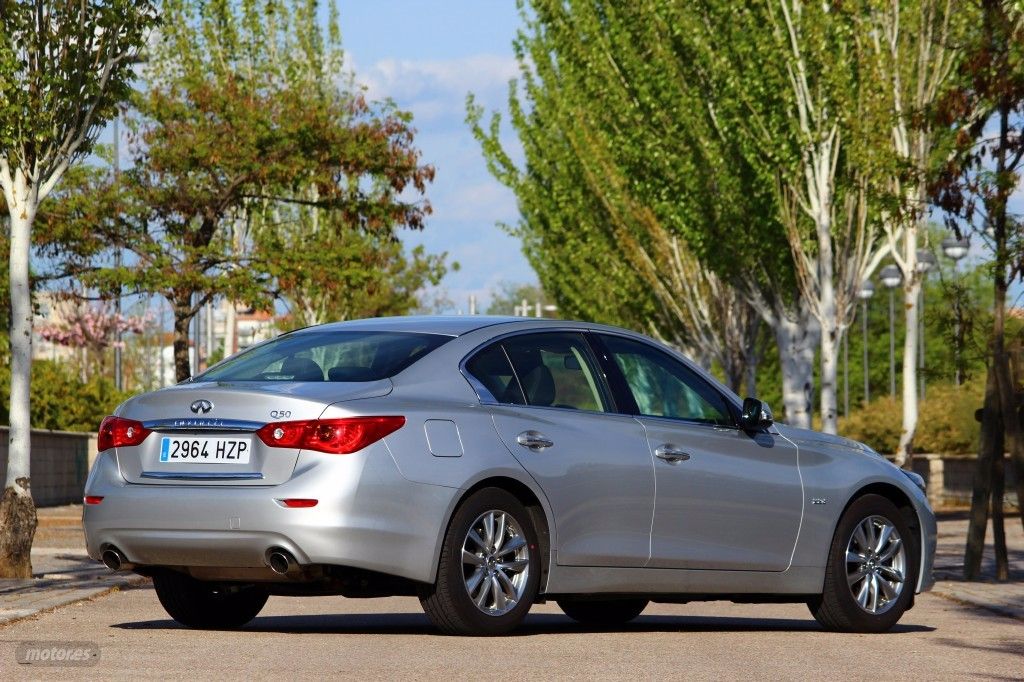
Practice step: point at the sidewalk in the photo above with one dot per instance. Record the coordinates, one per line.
(1004, 598)
(62, 572)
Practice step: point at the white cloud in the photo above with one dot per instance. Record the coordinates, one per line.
(468, 203)
(436, 88)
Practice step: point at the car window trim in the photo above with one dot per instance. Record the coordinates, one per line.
(614, 368)
(487, 398)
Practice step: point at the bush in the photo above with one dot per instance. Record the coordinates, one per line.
(945, 423)
(61, 400)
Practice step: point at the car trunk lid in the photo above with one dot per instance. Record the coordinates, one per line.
(205, 433)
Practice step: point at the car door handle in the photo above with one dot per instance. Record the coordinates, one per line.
(671, 454)
(535, 440)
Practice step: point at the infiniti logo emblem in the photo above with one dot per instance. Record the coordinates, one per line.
(201, 406)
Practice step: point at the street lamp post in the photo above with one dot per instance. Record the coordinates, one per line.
(891, 278)
(925, 262)
(867, 290)
(955, 249)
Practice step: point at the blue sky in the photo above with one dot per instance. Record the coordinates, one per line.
(427, 56)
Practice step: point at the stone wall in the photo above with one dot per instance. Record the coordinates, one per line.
(950, 479)
(60, 464)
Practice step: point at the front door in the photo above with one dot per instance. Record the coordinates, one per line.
(726, 499)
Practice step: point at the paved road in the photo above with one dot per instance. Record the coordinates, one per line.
(390, 638)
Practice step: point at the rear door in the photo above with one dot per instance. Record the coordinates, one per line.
(554, 412)
(726, 498)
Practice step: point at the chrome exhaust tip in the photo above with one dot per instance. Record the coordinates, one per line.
(115, 560)
(282, 562)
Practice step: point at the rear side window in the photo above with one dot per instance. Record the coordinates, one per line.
(546, 370)
(491, 368)
(351, 356)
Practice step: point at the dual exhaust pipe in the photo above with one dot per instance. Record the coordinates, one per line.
(280, 561)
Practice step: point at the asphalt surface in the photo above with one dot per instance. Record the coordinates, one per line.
(299, 638)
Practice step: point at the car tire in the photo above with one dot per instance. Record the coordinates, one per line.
(207, 606)
(603, 612)
(500, 567)
(859, 569)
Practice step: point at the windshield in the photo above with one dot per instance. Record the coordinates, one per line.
(327, 356)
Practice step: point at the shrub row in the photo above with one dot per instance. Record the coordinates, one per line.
(945, 422)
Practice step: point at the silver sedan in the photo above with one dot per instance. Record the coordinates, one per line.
(485, 464)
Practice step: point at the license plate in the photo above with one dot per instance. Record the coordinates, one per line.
(204, 450)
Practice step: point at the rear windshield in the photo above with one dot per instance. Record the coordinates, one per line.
(327, 356)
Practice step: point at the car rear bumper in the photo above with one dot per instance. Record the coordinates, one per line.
(367, 516)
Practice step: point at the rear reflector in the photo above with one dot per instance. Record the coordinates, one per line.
(93, 499)
(334, 436)
(116, 432)
(298, 503)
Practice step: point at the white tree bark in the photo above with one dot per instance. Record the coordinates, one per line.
(22, 200)
(911, 298)
(797, 338)
(846, 250)
(230, 327)
(914, 62)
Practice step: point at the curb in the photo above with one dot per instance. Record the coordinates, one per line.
(13, 609)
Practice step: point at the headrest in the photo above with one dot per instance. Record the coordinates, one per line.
(539, 386)
(302, 369)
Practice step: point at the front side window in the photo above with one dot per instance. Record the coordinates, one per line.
(665, 387)
(327, 356)
(556, 370)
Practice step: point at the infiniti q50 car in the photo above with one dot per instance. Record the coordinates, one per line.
(486, 464)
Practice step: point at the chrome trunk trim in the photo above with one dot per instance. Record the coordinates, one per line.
(201, 424)
(203, 475)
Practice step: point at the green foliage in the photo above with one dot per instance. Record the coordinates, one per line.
(64, 67)
(61, 401)
(359, 275)
(946, 424)
(258, 170)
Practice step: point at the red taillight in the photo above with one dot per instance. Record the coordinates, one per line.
(116, 432)
(93, 499)
(298, 502)
(334, 436)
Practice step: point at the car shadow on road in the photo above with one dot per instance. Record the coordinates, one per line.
(535, 624)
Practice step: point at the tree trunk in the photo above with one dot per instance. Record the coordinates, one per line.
(230, 328)
(753, 360)
(991, 442)
(998, 529)
(797, 340)
(1007, 392)
(830, 344)
(911, 297)
(17, 510)
(182, 322)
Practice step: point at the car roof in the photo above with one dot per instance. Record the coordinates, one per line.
(448, 325)
(456, 325)
(451, 325)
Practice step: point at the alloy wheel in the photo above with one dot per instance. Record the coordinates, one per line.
(876, 563)
(495, 562)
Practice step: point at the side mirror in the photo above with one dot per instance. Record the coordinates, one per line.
(756, 415)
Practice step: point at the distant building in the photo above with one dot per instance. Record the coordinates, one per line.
(221, 330)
